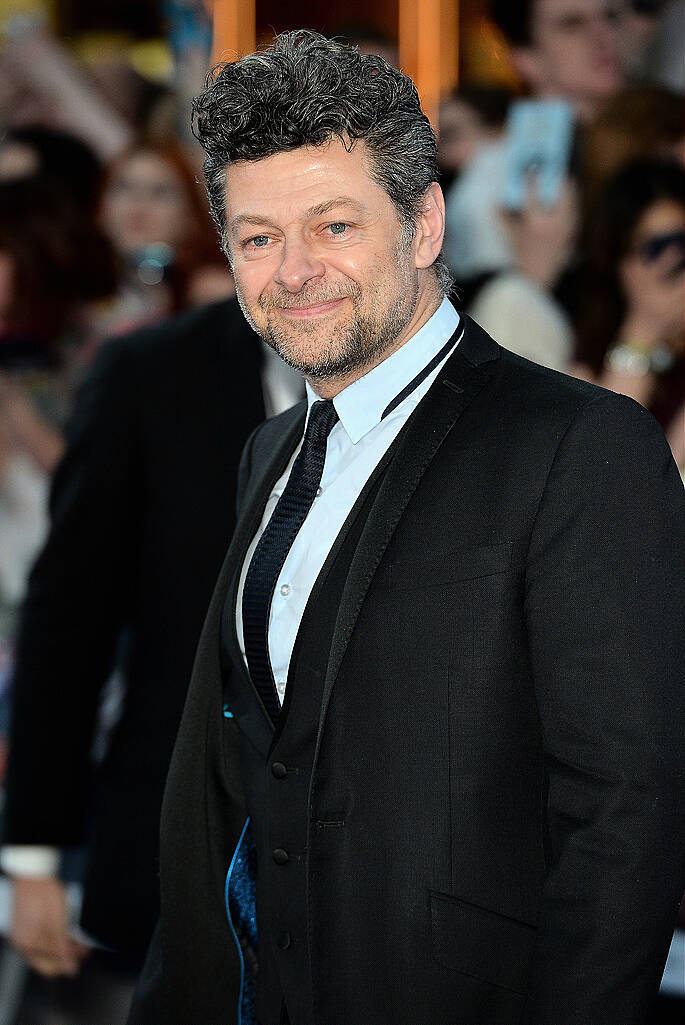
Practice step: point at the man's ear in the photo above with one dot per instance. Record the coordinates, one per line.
(430, 227)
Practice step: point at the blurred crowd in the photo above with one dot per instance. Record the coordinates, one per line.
(562, 161)
(566, 220)
(104, 227)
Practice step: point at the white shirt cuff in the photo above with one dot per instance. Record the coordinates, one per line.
(30, 861)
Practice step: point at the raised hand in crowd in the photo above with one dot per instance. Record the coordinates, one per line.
(40, 927)
(42, 66)
(543, 236)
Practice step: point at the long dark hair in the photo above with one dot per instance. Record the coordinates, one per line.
(609, 236)
(57, 260)
(200, 247)
(64, 160)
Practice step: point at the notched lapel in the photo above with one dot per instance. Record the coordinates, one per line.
(457, 384)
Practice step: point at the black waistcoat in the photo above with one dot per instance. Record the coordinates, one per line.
(278, 790)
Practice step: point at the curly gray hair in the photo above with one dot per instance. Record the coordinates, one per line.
(302, 91)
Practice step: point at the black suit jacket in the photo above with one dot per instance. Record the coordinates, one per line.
(501, 735)
(142, 507)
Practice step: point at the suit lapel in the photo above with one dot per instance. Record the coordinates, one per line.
(457, 384)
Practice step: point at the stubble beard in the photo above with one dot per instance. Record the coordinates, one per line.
(361, 342)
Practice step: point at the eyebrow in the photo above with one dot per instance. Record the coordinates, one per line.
(314, 211)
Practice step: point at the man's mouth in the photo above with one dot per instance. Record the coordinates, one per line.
(310, 309)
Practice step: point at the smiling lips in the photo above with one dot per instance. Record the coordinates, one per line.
(314, 310)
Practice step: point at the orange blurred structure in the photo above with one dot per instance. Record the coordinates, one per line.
(427, 32)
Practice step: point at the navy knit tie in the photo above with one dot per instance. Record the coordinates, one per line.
(274, 545)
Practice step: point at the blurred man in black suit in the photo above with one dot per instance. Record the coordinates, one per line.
(142, 509)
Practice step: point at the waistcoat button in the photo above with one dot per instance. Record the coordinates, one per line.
(281, 857)
(284, 941)
(279, 770)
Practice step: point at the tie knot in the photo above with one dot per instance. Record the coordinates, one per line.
(322, 418)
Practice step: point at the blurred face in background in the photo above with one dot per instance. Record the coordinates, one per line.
(145, 202)
(575, 51)
(653, 271)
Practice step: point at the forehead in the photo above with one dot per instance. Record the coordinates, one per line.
(286, 185)
(662, 216)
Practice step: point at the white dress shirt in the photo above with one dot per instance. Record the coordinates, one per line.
(355, 447)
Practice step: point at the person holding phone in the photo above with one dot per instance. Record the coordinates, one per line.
(564, 52)
(539, 213)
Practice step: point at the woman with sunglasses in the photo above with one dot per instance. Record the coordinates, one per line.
(630, 331)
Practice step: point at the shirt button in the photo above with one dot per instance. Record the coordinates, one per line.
(284, 940)
(285, 590)
(280, 856)
(279, 770)
(319, 491)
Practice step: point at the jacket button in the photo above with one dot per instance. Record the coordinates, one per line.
(281, 856)
(279, 770)
(284, 941)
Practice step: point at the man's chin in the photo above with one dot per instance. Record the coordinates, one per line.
(332, 353)
(348, 365)
(311, 367)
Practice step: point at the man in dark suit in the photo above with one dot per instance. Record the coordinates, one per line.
(142, 508)
(430, 766)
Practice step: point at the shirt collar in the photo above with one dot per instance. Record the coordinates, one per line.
(360, 406)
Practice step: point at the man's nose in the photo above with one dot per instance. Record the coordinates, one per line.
(298, 266)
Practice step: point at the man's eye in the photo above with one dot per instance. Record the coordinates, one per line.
(338, 228)
(259, 241)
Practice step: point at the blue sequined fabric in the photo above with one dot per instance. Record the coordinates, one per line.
(242, 915)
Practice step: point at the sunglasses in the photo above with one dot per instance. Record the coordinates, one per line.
(654, 246)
